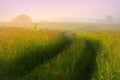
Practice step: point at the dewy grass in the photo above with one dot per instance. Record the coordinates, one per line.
(21, 51)
(77, 62)
(48, 55)
(108, 58)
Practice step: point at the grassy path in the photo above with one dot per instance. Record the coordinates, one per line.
(77, 62)
(68, 58)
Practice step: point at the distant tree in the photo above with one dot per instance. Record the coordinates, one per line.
(22, 19)
(118, 21)
(109, 18)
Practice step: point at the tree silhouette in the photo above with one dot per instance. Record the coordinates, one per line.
(22, 19)
(109, 18)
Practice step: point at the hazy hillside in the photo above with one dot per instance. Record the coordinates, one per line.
(63, 26)
(78, 26)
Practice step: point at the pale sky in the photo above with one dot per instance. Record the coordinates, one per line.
(50, 9)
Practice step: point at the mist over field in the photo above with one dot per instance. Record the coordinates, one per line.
(77, 15)
(25, 21)
(59, 40)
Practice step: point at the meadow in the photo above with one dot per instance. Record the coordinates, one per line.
(40, 54)
(108, 57)
(21, 50)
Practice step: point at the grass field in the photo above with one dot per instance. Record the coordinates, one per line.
(108, 58)
(22, 50)
(27, 54)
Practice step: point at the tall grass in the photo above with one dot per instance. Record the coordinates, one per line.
(108, 58)
(22, 50)
(76, 62)
(49, 55)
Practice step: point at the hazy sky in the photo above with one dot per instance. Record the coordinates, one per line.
(49, 9)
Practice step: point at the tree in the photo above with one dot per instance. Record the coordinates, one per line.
(109, 18)
(22, 19)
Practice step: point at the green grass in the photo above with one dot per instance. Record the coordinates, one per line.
(108, 58)
(18, 57)
(77, 62)
(49, 55)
